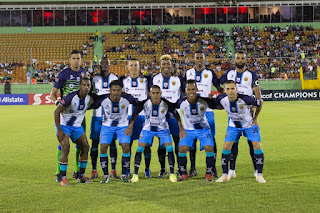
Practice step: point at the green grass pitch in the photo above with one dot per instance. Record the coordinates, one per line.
(290, 140)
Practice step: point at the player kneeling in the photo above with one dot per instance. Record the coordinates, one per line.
(68, 117)
(156, 110)
(240, 121)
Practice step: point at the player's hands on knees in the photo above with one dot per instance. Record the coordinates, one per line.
(255, 122)
(182, 133)
(128, 130)
(60, 135)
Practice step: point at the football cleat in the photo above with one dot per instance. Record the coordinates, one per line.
(255, 174)
(124, 179)
(105, 179)
(135, 178)
(94, 174)
(113, 174)
(58, 178)
(208, 177)
(260, 179)
(162, 173)
(232, 174)
(147, 173)
(223, 178)
(83, 180)
(173, 178)
(64, 182)
(75, 175)
(193, 173)
(183, 178)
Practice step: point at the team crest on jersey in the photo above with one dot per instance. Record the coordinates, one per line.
(115, 109)
(165, 85)
(238, 79)
(105, 84)
(78, 78)
(246, 78)
(163, 111)
(123, 106)
(173, 83)
(202, 108)
(198, 78)
(141, 80)
(81, 107)
(134, 83)
(233, 109)
(194, 111)
(155, 112)
(205, 75)
(241, 106)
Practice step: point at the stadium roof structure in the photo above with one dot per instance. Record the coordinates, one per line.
(127, 4)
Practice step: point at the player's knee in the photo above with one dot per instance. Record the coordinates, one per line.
(65, 147)
(256, 145)
(208, 148)
(104, 148)
(85, 147)
(125, 148)
(227, 145)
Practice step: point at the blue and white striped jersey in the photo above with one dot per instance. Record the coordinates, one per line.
(155, 115)
(137, 87)
(245, 81)
(115, 113)
(170, 87)
(194, 115)
(204, 80)
(75, 109)
(238, 111)
(100, 86)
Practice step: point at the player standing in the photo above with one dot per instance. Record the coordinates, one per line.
(204, 78)
(171, 88)
(101, 86)
(68, 81)
(137, 86)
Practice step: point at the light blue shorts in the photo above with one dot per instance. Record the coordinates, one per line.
(147, 137)
(73, 132)
(251, 133)
(108, 133)
(204, 136)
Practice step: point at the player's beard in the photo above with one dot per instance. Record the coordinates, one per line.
(240, 66)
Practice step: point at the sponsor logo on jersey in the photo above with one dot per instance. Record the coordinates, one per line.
(81, 107)
(71, 86)
(202, 108)
(71, 77)
(163, 111)
(205, 75)
(238, 79)
(165, 85)
(194, 111)
(246, 78)
(198, 78)
(105, 84)
(134, 83)
(115, 109)
(173, 83)
(233, 109)
(155, 112)
(123, 106)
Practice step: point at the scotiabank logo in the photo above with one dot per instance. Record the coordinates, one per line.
(40, 99)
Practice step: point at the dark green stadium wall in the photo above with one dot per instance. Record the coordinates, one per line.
(153, 27)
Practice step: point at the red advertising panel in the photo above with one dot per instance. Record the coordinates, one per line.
(40, 99)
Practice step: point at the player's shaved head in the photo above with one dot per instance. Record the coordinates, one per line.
(192, 81)
(116, 83)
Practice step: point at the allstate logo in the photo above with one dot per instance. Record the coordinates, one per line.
(37, 99)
